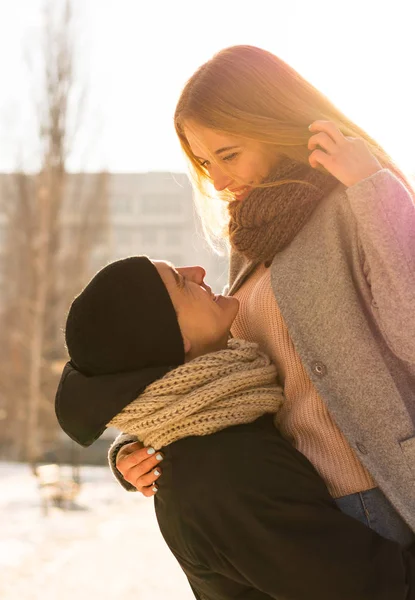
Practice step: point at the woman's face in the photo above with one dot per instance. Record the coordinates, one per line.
(204, 319)
(238, 163)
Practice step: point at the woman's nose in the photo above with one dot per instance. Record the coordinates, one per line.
(220, 179)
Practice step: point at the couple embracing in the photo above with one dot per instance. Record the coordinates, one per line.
(288, 446)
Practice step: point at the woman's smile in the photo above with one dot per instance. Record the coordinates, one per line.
(241, 193)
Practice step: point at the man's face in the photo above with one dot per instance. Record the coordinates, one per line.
(204, 319)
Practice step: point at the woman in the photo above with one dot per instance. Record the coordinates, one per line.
(321, 227)
(150, 354)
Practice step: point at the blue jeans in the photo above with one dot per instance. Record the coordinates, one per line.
(374, 510)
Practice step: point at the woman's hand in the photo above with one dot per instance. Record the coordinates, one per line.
(346, 158)
(139, 466)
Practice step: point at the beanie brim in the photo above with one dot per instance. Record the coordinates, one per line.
(84, 405)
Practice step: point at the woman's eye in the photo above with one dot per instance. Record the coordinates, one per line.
(230, 156)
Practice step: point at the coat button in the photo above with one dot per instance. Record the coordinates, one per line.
(319, 368)
(375, 304)
(361, 447)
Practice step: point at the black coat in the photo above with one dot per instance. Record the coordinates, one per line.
(247, 517)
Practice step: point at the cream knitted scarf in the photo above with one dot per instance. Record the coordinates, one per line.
(269, 218)
(220, 389)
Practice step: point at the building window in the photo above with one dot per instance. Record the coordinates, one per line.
(161, 204)
(121, 204)
(173, 237)
(123, 236)
(149, 236)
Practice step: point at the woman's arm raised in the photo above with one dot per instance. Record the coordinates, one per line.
(385, 217)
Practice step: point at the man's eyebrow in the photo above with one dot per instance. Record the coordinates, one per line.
(219, 151)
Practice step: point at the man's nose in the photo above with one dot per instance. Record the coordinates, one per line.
(199, 275)
(196, 273)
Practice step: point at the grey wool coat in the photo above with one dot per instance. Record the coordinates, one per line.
(345, 286)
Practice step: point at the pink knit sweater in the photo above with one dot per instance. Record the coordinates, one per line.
(304, 418)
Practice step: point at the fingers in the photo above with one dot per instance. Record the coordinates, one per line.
(146, 480)
(140, 468)
(349, 159)
(128, 449)
(325, 144)
(131, 459)
(323, 141)
(319, 157)
(150, 491)
(329, 128)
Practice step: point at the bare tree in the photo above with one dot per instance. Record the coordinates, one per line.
(54, 220)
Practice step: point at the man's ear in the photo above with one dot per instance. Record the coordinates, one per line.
(187, 345)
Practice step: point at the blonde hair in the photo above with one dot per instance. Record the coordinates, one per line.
(248, 92)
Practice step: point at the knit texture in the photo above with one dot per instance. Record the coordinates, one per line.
(303, 418)
(269, 218)
(124, 320)
(218, 390)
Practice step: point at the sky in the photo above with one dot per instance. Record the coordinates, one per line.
(136, 56)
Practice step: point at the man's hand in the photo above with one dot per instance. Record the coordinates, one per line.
(139, 466)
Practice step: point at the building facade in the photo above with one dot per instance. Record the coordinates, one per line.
(154, 214)
(147, 213)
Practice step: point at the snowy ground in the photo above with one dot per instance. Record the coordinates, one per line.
(108, 548)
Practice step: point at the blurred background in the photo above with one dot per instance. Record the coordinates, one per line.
(91, 171)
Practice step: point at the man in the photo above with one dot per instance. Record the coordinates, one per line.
(244, 513)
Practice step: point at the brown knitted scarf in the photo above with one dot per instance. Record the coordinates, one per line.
(214, 391)
(269, 218)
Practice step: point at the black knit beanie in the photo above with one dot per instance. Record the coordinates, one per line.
(124, 321)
